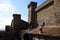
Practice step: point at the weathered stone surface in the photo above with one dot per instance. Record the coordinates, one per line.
(43, 23)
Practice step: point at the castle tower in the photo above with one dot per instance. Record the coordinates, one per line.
(32, 16)
(16, 20)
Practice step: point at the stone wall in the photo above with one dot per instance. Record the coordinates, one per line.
(47, 15)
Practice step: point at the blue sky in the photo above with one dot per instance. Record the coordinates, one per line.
(10, 7)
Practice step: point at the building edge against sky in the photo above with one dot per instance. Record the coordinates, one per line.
(44, 23)
(22, 13)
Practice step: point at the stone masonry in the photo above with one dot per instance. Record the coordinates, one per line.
(43, 23)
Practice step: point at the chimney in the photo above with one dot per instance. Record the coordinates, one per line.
(32, 16)
(16, 20)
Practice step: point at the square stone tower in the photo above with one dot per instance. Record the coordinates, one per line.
(32, 16)
(16, 20)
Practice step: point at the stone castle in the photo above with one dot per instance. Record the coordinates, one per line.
(43, 23)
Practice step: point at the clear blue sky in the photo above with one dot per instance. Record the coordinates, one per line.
(10, 7)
